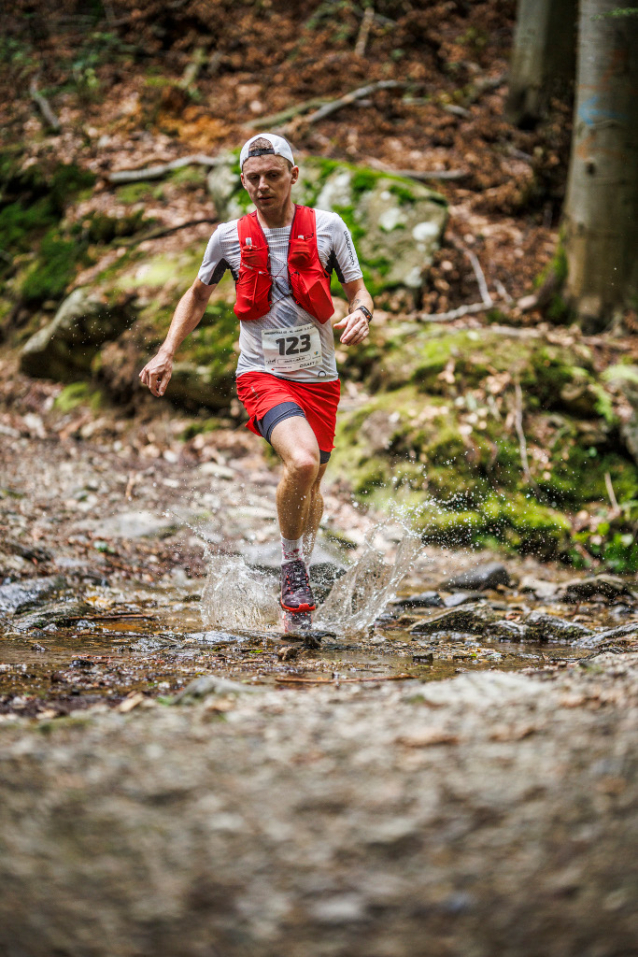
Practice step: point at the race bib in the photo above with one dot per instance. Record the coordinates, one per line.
(292, 348)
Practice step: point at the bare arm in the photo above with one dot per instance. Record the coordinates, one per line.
(355, 324)
(156, 374)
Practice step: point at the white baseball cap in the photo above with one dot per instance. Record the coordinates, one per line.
(278, 145)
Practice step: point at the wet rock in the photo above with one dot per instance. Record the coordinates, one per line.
(155, 643)
(19, 596)
(473, 620)
(542, 627)
(426, 599)
(213, 637)
(68, 344)
(609, 587)
(505, 630)
(461, 598)
(60, 614)
(208, 685)
(540, 588)
(608, 634)
(478, 579)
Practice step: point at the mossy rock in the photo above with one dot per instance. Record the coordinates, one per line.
(413, 448)
(396, 223)
(66, 346)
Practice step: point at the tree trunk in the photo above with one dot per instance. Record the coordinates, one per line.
(601, 210)
(544, 57)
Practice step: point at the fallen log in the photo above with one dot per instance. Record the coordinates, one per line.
(165, 231)
(161, 169)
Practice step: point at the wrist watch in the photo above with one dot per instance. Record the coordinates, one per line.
(366, 313)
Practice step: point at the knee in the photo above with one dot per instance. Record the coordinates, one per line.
(305, 464)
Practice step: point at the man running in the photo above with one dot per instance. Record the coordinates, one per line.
(281, 257)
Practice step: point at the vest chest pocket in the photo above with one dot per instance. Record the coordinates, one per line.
(253, 291)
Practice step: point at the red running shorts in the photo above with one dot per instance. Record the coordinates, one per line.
(259, 392)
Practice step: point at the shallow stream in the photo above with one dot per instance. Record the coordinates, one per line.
(71, 649)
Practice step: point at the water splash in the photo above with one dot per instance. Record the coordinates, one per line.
(358, 598)
(236, 595)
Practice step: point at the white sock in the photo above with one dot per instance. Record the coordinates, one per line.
(291, 549)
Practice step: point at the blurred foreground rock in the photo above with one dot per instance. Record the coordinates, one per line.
(492, 814)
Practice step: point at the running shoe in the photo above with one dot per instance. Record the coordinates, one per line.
(296, 594)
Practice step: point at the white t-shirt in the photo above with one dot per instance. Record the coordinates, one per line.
(336, 251)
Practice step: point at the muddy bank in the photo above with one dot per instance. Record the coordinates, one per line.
(489, 814)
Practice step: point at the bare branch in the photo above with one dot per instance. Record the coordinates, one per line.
(334, 105)
(273, 120)
(612, 495)
(502, 291)
(454, 313)
(190, 73)
(43, 104)
(478, 272)
(424, 175)
(364, 32)
(480, 278)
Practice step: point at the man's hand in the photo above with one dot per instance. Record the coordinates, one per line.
(355, 326)
(156, 374)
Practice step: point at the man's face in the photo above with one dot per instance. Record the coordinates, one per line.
(269, 181)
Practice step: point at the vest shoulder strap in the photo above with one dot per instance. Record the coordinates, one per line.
(248, 227)
(304, 223)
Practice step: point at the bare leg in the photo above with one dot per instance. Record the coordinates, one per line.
(315, 511)
(295, 442)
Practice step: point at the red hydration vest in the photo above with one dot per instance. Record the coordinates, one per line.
(309, 281)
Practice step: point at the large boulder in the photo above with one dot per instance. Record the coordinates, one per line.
(67, 345)
(397, 223)
(624, 379)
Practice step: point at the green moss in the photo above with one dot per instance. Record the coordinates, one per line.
(200, 427)
(363, 181)
(188, 176)
(557, 268)
(132, 193)
(78, 393)
(19, 224)
(403, 194)
(104, 229)
(559, 311)
(67, 181)
(52, 271)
